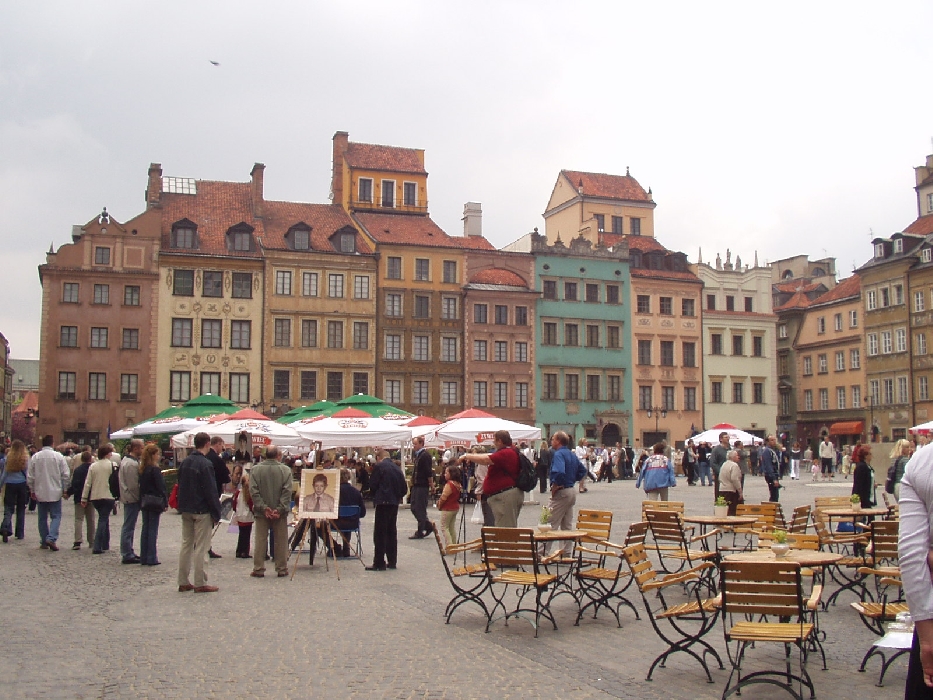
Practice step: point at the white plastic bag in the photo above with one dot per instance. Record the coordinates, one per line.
(477, 517)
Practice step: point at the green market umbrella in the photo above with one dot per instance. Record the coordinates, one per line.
(321, 408)
(375, 407)
(191, 414)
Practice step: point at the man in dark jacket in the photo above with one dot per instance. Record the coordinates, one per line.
(344, 527)
(771, 467)
(221, 474)
(199, 506)
(422, 481)
(543, 467)
(387, 483)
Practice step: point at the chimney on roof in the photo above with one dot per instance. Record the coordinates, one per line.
(472, 219)
(154, 186)
(341, 143)
(255, 189)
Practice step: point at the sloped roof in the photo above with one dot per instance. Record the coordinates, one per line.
(664, 274)
(795, 285)
(324, 220)
(215, 208)
(849, 287)
(607, 186)
(30, 402)
(643, 243)
(407, 229)
(497, 276)
(370, 156)
(922, 226)
(798, 301)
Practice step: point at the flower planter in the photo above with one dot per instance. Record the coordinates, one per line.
(780, 550)
(856, 506)
(720, 511)
(544, 527)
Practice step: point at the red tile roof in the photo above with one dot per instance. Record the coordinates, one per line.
(407, 229)
(664, 274)
(798, 301)
(849, 287)
(214, 209)
(922, 226)
(608, 186)
(370, 156)
(793, 285)
(324, 220)
(497, 276)
(643, 243)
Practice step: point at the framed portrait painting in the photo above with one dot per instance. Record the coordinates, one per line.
(319, 495)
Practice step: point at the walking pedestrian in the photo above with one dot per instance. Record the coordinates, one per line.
(151, 484)
(48, 477)
(199, 506)
(129, 497)
(16, 493)
(84, 515)
(422, 483)
(97, 493)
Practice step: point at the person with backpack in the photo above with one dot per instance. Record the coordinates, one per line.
(500, 487)
(566, 471)
(387, 483)
(657, 474)
(97, 491)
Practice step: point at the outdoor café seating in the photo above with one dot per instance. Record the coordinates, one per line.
(605, 585)
(677, 550)
(469, 581)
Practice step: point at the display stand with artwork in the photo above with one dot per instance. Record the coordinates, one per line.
(318, 505)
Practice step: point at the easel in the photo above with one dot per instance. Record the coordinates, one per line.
(308, 527)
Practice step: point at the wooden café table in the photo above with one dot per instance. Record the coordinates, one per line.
(564, 582)
(705, 521)
(804, 557)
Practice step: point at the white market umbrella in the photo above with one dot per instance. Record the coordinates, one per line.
(475, 427)
(923, 428)
(712, 437)
(263, 431)
(124, 434)
(352, 428)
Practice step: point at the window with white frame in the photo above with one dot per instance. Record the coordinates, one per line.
(856, 396)
(393, 304)
(521, 352)
(97, 386)
(393, 346)
(129, 387)
(480, 353)
(309, 284)
(239, 387)
(210, 383)
(879, 250)
(782, 331)
(179, 387)
(923, 389)
(808, 399)
(874, 392)
(450, 392)
(807, 365)
(70, 293)
(898, 290)
(886, 345)
(283, 282)
(419, 348)
(855, 358)
(420, 392)
(872, 342)
(840, 397)
(824, 399)
(898, 245)
(853, 319)
(919, 301)
(335, 286)
(101, 293)
(99, 337)
(361, 287)
(900, 340)
(822, 363)
(821, 325)
(837, 322)
(393, 391)
(921, 343)
(501, 350)
(841, 361)
(181, 332)
(871, 300)
(449, 308)
(887, 386)
(902, 394)
(926, 255)
(448, 350)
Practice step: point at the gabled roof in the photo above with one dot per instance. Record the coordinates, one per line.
(497, 276)
(370, 156)
(922, 226)
(607, 186)
(849, 287)
(215, 208)
(407, 229)
(324, 220)
(798, 301)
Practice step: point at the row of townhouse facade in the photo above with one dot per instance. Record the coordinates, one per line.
(593, 326)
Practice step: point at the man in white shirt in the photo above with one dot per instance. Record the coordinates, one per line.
(827, 457)
(48, 477)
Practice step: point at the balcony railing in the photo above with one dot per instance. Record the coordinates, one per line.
(377, 203)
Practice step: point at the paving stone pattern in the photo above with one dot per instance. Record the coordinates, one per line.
(78, 625)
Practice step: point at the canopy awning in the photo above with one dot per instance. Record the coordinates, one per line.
(847, 427)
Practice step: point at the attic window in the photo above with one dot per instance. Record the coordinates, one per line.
(240, 239)
(184, 235)
(898, 245)
(179, 185)
(879, 250)
(926, 255)
(299, 238)
(347, 243)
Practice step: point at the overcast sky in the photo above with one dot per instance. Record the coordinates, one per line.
(783, 129)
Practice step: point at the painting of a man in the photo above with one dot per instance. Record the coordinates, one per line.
(320, 500)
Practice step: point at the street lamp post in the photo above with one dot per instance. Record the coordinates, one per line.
(659, 413)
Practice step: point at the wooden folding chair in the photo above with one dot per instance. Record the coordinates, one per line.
(674, 544)
(800, 519)
(468, 581)
(597, 524)
(765, 512)
(605, 585)
(766, 590)
(874, 615)
(513, 549)
(699, 614)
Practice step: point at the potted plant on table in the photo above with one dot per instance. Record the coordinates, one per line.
(779, 544)
(720, 507)
(544, 521)
(856, 501)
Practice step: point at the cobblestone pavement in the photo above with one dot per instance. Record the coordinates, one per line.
(84, 626)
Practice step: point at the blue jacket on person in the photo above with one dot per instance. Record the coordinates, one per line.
(566, 468)
(770, 465)
(657, 473)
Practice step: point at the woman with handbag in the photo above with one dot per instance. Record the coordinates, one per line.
(16, 492)
(153, 502)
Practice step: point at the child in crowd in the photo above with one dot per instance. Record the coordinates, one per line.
(815, 470)
(449, 504)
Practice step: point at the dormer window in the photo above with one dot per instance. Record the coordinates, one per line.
(898, 245)
(926, 255)
(240, 239)
(879, 250)
(347, 242)
(299, 238)
(184, 235)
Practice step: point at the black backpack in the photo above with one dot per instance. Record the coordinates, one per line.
(115, 482)
(527, 474)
